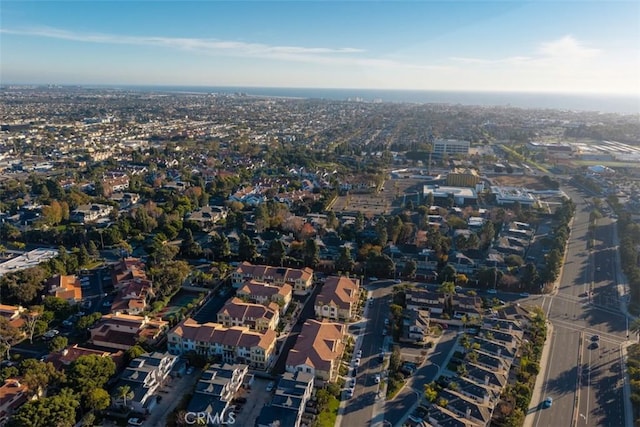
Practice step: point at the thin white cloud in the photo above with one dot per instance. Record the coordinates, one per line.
(567, 47)
(197, 44)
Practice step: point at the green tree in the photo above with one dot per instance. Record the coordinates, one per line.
(88, 321)
(58, 344)
(30, 319)
(345, 262)
(311, 253)
(90, 371)
(97, 399)
(448, 273)
(410, 268)
(246, 249)
(277, 252)
(431, 392)
(59, 409)
(135, 351)
(124, 392)
(9, 335)
(39, 376)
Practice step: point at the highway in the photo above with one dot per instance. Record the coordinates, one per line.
(584, 379)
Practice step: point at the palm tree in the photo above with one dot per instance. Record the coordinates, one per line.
(124, 393)
(635, 326)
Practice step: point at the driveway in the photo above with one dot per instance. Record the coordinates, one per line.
(172, 394)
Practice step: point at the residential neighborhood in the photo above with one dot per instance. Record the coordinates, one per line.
(159, 268)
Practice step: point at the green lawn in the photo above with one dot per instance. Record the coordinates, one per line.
(327, 418)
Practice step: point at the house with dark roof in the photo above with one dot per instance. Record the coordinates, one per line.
(144, 375)
(415, 326)
(217, 387)
(289, 401)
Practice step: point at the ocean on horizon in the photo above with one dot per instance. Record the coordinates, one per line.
(589, 102)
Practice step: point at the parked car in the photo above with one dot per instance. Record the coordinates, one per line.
(190, 370)
(548, 402)
(377, 379)
(492, 291)
(135, 421)
(595, 338)
(524, 294)
(270, 386)
(240, 400)
(359, 354)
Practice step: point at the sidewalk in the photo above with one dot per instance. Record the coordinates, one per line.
(623, 299)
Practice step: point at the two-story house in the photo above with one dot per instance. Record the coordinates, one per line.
(122, 331)
(68, 288)
(318, 350)
(338, 299)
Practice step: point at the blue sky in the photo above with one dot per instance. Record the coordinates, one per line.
(542, 46)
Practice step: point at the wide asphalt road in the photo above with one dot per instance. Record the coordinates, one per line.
(584, 381)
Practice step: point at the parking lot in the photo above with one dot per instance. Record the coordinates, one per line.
(257, 396)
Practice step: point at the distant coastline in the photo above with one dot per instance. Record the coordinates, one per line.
(618, 104)
(599, 103)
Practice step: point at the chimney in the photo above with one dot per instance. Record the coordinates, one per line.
(485, 399)
(486, 380)
(510, 327)
(499, 352)
(468, 413)
(65, 351)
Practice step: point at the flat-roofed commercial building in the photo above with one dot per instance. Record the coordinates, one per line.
(461, 195)
(450, 147)
(510, 195)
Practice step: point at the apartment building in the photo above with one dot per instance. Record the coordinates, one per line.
(257, 317)
(263, 293)
(301, 280)
(235, 344)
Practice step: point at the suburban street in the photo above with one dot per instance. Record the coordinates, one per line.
(404, 402)
(584, 378)
(362, 408)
